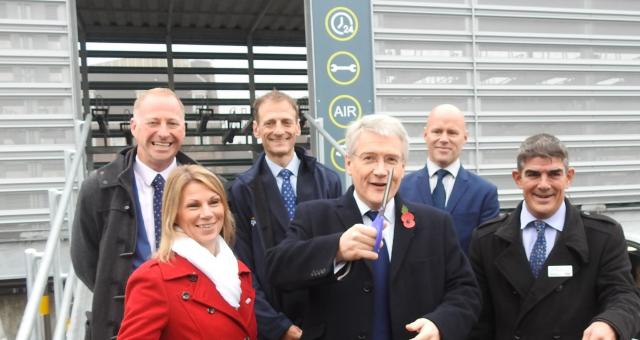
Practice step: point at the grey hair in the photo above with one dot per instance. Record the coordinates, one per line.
(379, 124)
(542, 145)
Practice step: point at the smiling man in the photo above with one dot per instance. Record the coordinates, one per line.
(263, 200)
(444, 183)
(116, 226)
(419, 285)
(548, 270)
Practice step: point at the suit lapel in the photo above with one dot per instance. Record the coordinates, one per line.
(423, 179)
(512, 261)
(401, 239)
(570, 249)
(460, 186)
(306, 187)
(278, 217)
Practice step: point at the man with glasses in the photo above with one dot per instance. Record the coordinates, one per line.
(416, 283)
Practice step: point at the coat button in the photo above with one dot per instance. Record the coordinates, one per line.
(558, 289)
(193, 277)
(211, 310)
(185, 296)
(366, 289)
(126, 207)
(361, 336)
(556, 337)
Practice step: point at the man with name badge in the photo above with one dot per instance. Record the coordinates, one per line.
(548, 270)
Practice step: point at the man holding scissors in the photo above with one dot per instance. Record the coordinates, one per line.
(416, 283)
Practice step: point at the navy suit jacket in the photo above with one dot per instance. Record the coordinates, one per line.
(429, 274)
(261, 223)
(473, 200)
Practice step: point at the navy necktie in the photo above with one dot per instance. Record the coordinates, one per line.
(158, 189)
(381, 317)
(439, 195)
(539, 250)
(288, 196)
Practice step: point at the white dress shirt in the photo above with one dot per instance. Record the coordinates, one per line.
(447, 181)
(144, 175)
(529, 235)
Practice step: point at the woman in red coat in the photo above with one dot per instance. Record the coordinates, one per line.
(194, 287)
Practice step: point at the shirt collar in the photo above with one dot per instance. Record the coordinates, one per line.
(556, 221)
(453, 168)
(147, 174)
(389, 212)
(293, 165)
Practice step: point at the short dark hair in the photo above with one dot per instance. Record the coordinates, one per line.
(542, 145)
(274, 96)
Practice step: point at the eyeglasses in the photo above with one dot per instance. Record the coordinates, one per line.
(371, 159)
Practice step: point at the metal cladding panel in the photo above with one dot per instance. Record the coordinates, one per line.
(570, 68)
(38, 107)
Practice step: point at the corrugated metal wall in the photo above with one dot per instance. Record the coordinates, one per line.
(570, 68)
(38, 106)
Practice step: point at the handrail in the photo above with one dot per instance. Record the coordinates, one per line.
(40, 282)
(324, 133)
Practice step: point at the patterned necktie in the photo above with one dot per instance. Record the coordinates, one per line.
(439, 195)
(539, 250)
(381, 316)
(288, 196)
(158, 188)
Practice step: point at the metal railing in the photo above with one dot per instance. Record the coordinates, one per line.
(43, 263)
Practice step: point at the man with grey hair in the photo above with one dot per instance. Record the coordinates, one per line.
(117, 222)
(417, 285)
(548, 270)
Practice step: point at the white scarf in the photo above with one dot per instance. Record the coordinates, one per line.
(222, 269)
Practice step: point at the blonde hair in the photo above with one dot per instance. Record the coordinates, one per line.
(157, 91)
(179, 178)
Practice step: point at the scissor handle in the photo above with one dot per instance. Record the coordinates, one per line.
(378, 223)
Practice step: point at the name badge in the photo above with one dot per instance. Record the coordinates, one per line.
(560, 271)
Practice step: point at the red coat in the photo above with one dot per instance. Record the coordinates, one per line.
(175, 300)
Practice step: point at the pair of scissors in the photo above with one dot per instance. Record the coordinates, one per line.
(378, 223)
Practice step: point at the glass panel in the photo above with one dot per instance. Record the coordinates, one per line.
(624, 5)
(422, 22)
(428, 49)
(34, 105)
(36, 135)
(557, 26)
(423, 104)
(423, 77)
(24, 200)
(27, 10)
(557, 52)
(541, 103)
(556, 78)
(560, 128)
(32, 168)
(34, 74)
(490, 157)
(33, 41)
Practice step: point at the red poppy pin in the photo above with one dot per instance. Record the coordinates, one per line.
(408, 220)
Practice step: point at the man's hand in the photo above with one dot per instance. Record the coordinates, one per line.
(357, 243)
(426, 329)
(599, 331)
(293, 333)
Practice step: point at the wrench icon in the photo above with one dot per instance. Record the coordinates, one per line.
(335, 68)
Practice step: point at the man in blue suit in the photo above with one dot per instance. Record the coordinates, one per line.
(263, 202)
(444, 183)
